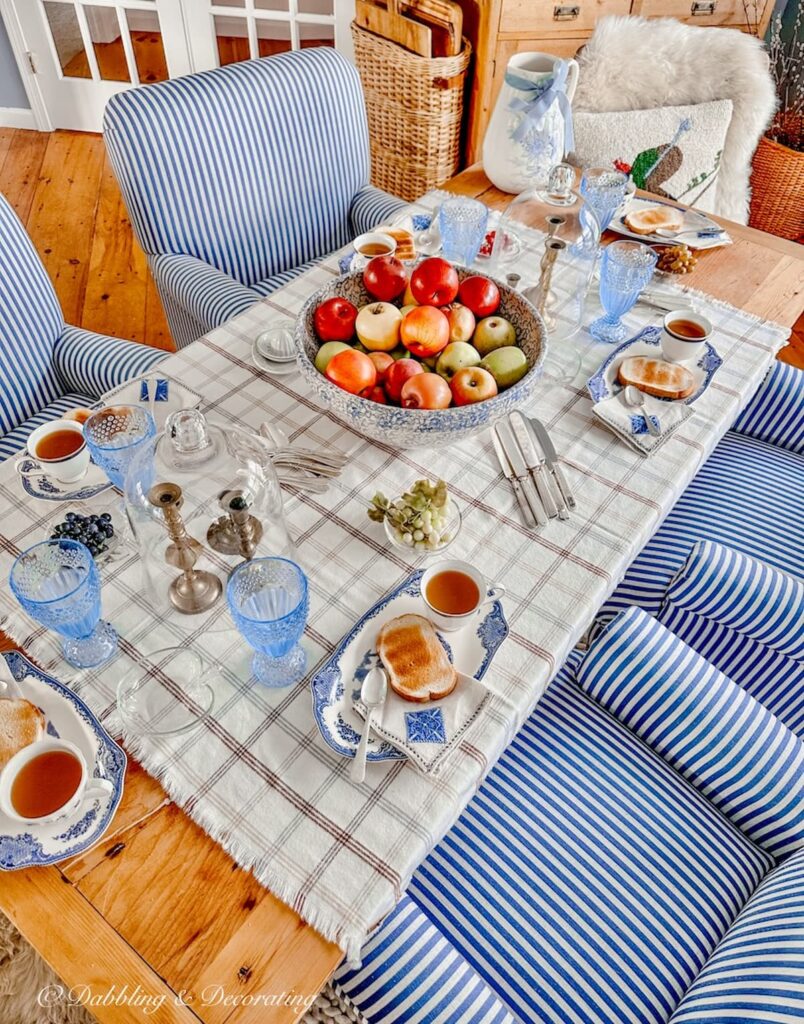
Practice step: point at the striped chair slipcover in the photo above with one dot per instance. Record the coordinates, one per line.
(239, 179)
(47, 367)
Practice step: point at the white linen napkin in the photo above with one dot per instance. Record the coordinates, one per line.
(629, 423)
(428, 732)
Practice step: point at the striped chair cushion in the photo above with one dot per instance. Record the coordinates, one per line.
(30, 322)
(251, 168)
(730, 747)
(411, 974)
(587, 881)
(270, 284)
(15, 440)
(95, 363)
(776, 412)
(756, 974)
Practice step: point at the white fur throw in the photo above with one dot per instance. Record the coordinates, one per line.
(682, 145)
(637, 64)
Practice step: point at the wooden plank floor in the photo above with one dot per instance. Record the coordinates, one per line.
(63, 189)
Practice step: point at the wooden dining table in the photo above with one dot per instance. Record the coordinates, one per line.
(158, 907)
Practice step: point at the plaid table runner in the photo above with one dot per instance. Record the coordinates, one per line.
(257, 775)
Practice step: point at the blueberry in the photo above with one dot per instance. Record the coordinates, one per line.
(106, 517)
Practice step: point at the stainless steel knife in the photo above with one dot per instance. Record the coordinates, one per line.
(515, 457)
(509, 475)
(534, 460)
(552, 461)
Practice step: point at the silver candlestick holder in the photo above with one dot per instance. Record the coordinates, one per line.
(237, 532)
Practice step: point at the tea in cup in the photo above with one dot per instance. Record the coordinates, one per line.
(59, 450)
(47, 780)
(685, 335)
(373, 243)
(454, 592)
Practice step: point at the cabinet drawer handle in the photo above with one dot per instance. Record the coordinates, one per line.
(703, 8)
(565, 13)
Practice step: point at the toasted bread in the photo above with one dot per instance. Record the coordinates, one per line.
(645, 220)
(656, 377)
(417, 665)
(405, 249)
(21, 723)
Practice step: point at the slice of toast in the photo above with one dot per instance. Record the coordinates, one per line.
(405, 249)
(656, 377)
(646, 219)
(21, 723)
(417, 664)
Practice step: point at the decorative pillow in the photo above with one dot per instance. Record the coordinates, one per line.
(709, 729)
(671, 151)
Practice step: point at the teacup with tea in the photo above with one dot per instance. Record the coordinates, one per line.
(47, 780)
(369, 245)
(454, 592)
(59, 450)
(685, 335)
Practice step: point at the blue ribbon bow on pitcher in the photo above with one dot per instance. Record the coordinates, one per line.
(538, 98)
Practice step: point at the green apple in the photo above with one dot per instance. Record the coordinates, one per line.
(406, 309)
(506, 365)
(493, 332)
(454, 357)
(326, 352)
(400, 352)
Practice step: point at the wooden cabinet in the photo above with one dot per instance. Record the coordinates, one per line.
(500, 28)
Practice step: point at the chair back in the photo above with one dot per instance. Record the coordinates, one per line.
(30, 323)
(250, 167)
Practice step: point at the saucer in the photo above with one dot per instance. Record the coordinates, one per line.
(271, 366)
(50, 489)
(68, 717)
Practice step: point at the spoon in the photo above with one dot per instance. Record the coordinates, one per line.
(428, 242)
(634, 397)
(372, 693)
(700, 232)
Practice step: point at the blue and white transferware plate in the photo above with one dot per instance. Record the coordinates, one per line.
(69, 718)
(337, 683)
(421, 221)
(697, 230)
(50, 489)
(604, 384)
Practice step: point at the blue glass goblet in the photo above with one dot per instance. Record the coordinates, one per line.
(114, 436)
(604, 190)
(463, 227)
(57, 583)
(625, 269)
(269, 602)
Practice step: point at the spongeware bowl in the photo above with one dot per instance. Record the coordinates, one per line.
(419, 428)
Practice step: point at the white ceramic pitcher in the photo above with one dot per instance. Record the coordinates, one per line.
(531, 127)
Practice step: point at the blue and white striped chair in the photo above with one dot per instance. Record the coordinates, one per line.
(46, 366)
(238, 179)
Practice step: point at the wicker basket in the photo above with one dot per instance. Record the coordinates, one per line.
(415, 110)
(777, 185)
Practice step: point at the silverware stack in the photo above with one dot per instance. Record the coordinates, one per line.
(530, 463)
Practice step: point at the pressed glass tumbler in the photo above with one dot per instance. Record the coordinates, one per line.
(604, 190)
(269, 601)
(625, 269)
(114, 435)
(463, 228)
(57, 583)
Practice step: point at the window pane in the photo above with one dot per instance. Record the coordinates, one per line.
(66, 34)
(149, 50)
(104, 31)
(316, 35)
(271, 5)
(229, 3)
(232, 37)
(316, 7)
(273, 37)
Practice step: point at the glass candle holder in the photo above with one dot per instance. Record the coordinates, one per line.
(463, 228)
(625, 269)
(114, 436)
(57, 583)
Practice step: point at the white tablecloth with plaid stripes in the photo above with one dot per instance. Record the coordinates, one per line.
(257, 775)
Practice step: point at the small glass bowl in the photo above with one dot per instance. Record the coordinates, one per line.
(167, 696)
(452, 529)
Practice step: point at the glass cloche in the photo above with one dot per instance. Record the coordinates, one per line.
(550, 238)
(202, 497)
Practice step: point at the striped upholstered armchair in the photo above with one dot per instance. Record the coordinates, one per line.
(239, 179)
(46, 366)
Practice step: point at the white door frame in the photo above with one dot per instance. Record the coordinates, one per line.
(29, 80)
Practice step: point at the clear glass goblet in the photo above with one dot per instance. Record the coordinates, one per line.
(57, 583)
(463, 228)
(114, 436)
(604, 189)
(269, 602)
(625, 269)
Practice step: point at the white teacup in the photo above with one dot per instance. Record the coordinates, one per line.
(449, 622)
(67, 469)
(88, 788)
(365, 244)
(675, 346)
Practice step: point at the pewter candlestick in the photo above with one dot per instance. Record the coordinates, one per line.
(238, 532)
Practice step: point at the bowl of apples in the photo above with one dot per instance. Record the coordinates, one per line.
(419, 358)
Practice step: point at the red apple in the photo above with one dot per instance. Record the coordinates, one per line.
(480, 294)
(377, 395)
(426, 391)
(434, 282)
(424, 331)
(382, 361)
(353, 371)
(472, 384)
(461, 322)
(401, 371)
(334, 319)
(385, 278)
